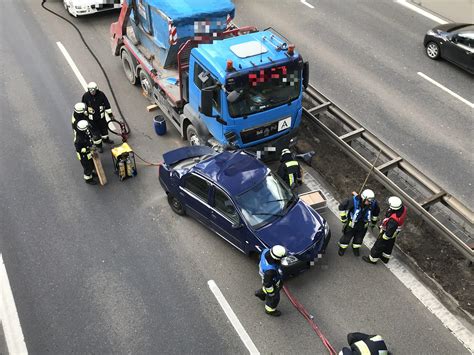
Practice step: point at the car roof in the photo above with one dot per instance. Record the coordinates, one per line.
(235, 172)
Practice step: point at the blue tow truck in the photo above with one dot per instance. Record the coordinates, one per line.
(219, 85)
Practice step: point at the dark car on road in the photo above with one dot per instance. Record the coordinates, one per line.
(453, 42)
(240, 199)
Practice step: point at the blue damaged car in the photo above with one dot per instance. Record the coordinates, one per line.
(240, 199)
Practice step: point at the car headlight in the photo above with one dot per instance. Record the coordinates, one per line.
(289, 260)
(326, 228)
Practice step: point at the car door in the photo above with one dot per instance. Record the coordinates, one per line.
(225, 220)
(195, 195)
(458, 51)
(465, 46)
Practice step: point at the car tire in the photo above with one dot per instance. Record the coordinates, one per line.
(146, 83)
(432, 50)
(128, 67)
(192, 136)
(176, 205)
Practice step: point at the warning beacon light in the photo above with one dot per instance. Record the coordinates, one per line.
(291, 49)
(229, 66)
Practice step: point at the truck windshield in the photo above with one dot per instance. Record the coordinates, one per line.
(265, 202)
(263, 89)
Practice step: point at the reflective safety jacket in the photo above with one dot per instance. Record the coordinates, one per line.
(360, 214)
(82, 142)
(290, 172)
(270, 273)
(393, 223)
(364, 344)
(97, 105)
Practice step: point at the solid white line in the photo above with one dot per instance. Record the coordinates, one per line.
(405, 276)
(233, 318)
(9, 316)
(307, 4)
(434, 82)
(72, 65)
(421, 11)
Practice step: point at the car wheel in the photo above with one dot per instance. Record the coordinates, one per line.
(176, 205)
(128, 67)
(432, 50)
(146, 83)
(193, 136)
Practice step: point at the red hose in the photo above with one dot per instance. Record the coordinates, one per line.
(308, 317)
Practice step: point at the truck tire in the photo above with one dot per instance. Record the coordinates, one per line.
(146, 83)
(128, 67)
(192, 136)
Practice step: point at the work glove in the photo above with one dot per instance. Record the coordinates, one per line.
(84, 150)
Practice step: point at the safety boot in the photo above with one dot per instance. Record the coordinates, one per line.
(367, 260)
(384, 259)
(356, 251)
(341, 251)
(260, 294)
(91, 182)
(275, 313)
(108, 140)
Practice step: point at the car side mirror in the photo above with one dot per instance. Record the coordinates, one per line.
(237, 225)
(305, 75)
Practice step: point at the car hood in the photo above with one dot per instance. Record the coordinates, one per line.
(296, 231)
(448, 27)
(175, 156)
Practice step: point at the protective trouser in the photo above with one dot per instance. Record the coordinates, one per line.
(271, 299)
(382, 249)
(99, 132)
(87, 164)
(357, 233)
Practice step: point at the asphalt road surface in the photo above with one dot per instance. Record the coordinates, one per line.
(111, 269)
(365, 56)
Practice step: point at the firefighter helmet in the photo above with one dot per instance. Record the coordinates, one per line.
(285, 151)
(82, 125)
(92, 87)
(80, 107)
(367, 194)
(395, 203)
(278, 252)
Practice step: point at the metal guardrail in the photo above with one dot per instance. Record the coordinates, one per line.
(392, 160)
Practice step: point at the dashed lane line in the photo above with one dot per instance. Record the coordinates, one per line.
(444, 88)
(233, 318)
(73, 65)
(9, 315)
(421, 11)
(307, 4)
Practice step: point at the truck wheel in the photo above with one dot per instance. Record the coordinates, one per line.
(176, 205)
(128, 67)
(192, 136)
(146, 83)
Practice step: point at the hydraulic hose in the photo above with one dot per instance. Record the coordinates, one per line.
(310, 320)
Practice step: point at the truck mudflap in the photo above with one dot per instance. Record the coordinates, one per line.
(271, 150)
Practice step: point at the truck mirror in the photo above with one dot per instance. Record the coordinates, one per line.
(234, 96)
(305, 75)
(206, 102)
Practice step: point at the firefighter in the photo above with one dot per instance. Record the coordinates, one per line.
(364, 344)
(83, 144)
(391, 226)
(356, 214)
(290, 170)
(269, 269)
(98, 108)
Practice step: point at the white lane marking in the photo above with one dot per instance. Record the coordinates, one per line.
(434, 82)
(421, 11)
(9, 316)
(72, 65)
(307, 4)
(406, 277)
(233, 318)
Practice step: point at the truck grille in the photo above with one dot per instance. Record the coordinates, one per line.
(260, 132)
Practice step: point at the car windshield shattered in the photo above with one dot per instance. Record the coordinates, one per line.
(265, 202)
